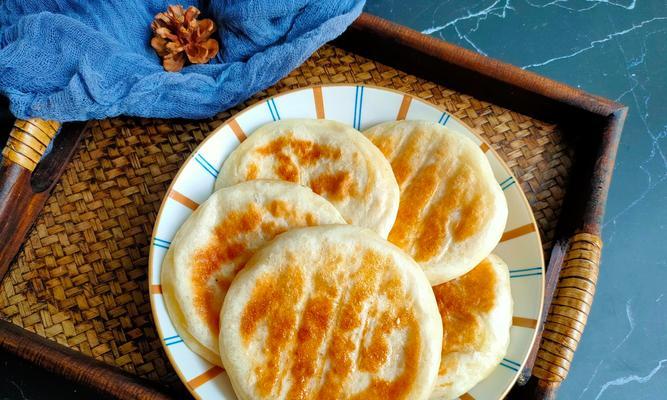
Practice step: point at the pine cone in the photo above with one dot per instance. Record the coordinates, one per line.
(178, 34)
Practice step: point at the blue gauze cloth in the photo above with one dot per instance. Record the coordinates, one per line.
(90, 59)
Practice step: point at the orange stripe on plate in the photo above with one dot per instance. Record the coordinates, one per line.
(236, 128)
(466, 396)
(520, 231)
(156, 289)
(319, 102)
(484, 147)
(197, 381)
(405, 106)
(183, 199)
(524, 322)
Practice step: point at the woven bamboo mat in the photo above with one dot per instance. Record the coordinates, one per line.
(81, 278)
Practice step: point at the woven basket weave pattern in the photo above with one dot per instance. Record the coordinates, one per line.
(81, 278)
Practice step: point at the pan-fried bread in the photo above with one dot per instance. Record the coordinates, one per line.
(331, 312)
(452, 211)
(476, 311)
(176, 314)
(215, 242)
(333, 159)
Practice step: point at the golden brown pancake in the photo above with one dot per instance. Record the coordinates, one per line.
(476, 311)
(331, 312)
(215, 242)
(333, 159)
(452, 211)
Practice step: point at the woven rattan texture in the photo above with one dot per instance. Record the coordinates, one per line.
(81, 278)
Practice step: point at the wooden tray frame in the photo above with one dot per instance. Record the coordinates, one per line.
(26, 180)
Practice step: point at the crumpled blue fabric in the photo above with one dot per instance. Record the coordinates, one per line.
(91, 59)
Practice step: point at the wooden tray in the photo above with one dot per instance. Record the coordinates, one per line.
(75, 300)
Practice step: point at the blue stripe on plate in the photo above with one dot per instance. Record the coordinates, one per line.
(161, 245)
(507, 360)
(444, 118)
(275, 108)
(275, 115)
(509, 181)
(509, 366)
(514, 271)
(171, 340)
(361, 103)
(162, 241)
(524, 275)
(505, 181)
(508, 185)
(358, 105)
(206, 165)
(356, 100)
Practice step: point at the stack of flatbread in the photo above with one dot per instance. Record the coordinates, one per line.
(335, 264)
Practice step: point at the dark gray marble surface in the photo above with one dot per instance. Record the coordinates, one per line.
(617, 49)
(614, 49)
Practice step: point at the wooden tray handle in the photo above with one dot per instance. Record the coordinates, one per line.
(20, 201)
(567, 315)
(78, 367)
(28, 140)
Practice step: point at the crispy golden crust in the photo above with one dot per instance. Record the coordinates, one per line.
(331, 312)
(217, 240)
(452, 211)
(476, 311)
(333, 159)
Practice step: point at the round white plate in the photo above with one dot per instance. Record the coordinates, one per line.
(361, 107)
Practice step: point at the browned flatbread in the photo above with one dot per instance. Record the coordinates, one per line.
(215, 242)
(333, 159)
(452, 211)
(476, 311)
(331, 312)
